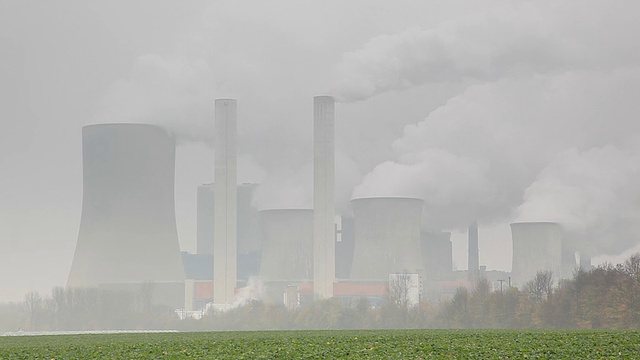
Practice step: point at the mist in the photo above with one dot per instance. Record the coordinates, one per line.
(488, 111)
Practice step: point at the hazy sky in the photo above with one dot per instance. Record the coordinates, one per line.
(489, 110)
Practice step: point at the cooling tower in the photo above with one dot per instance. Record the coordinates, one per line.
(473, 258)
(225, 213)
(287, 237)
(324, 262)
(387, 237)
(128, 226)
(537, 246)
(437, 255)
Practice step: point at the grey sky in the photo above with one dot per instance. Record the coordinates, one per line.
(515, 110)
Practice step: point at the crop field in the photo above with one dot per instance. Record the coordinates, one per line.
(330, 344)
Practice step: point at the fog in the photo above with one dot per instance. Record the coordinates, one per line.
(493, 110)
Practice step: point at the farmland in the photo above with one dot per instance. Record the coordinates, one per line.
(395, 344)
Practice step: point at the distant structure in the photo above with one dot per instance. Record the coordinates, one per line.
(344, 248)
(387, 237)
(585, 262)
(474, 259)
(248, 237)
(437, 255)
(225, 213)
(205, 228)
(538, 246)
(324, 235)
(128, 237)
(249, 243)
(287, 235)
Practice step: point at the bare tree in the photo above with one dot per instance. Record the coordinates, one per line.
(540, 285)
(33, 303)
(631, 266)
(399, 288)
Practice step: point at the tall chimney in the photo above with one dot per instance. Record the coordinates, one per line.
(323, 196)
(225, 214)
(474, 261)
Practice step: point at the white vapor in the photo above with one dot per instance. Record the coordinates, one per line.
(516, 39)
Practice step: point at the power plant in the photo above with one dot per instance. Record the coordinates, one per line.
(128, 237)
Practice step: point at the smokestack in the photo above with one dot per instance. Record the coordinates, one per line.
(473, 260)
(323, 196)
(225, 214)
(128, 234)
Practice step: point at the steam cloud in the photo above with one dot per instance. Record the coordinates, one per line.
(544, 131)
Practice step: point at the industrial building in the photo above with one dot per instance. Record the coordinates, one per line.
(299, 254)
(540, 246)
(287, 255)
(387, 237)
(128, 236)
(437, 255)
(248, 236)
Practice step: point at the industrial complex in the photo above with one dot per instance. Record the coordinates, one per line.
(128, 238)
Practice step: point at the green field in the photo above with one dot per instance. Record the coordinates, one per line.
(381, 344)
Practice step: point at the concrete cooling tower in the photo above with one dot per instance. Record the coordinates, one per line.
(128, 230)
(387, 237)
(287, 245)
(537, 246)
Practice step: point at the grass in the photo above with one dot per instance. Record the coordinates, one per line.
(330, 344)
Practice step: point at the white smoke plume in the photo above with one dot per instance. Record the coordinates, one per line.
(501, 143)
(173, 92)
(593, 194)
(255, 290)
(542, 132)
(514, 40)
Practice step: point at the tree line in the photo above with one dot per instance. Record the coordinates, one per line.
(608, 296)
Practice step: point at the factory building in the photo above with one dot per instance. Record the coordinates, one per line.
(344, 248)
(540, 246)
(299, 254)
(128, 236)
(387, 237)
(437, 255)
(248, 237)
(287, 255)
(204, 217)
